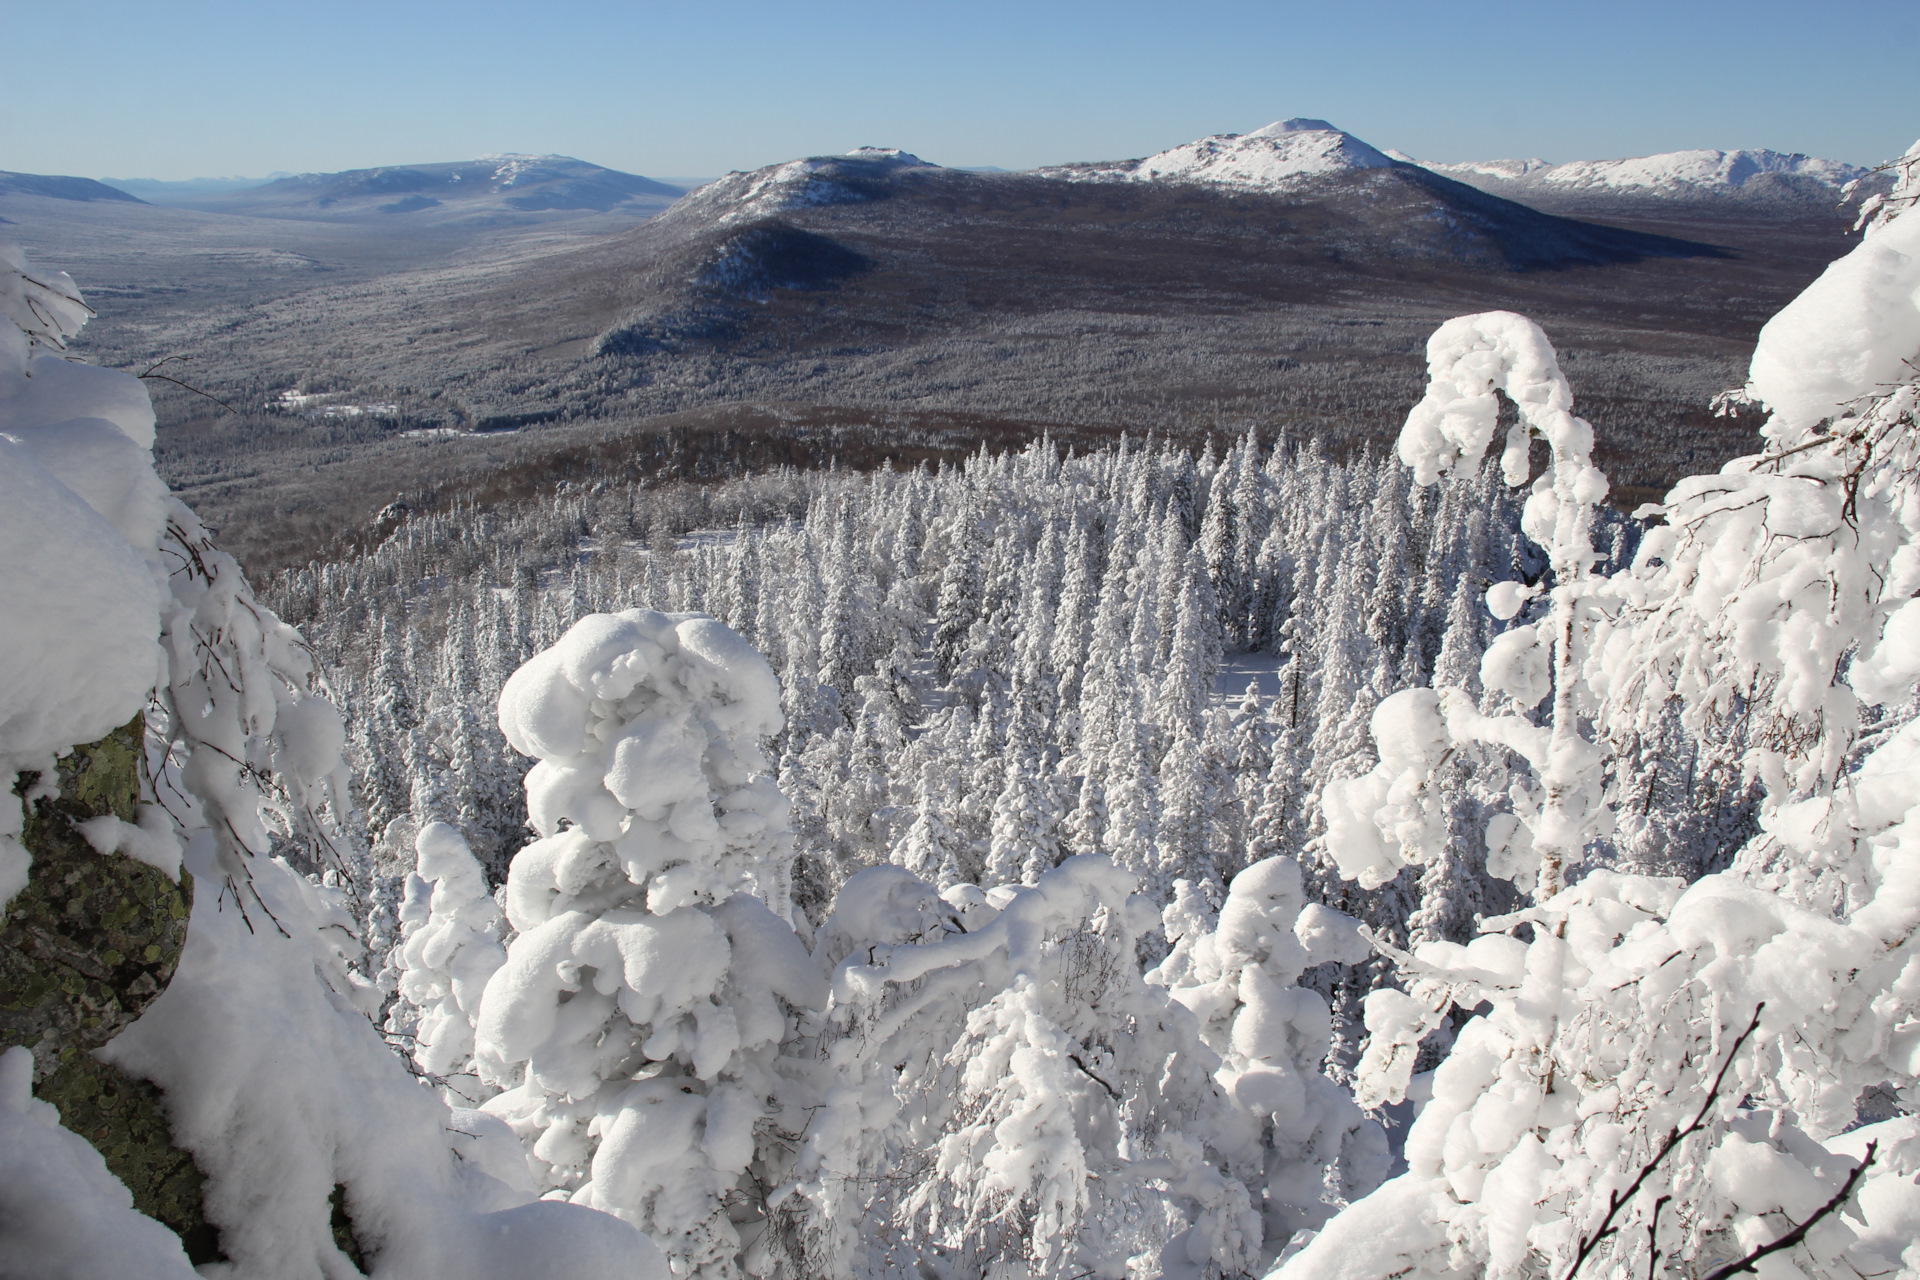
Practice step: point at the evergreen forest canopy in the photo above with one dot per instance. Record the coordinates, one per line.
(1125, 863)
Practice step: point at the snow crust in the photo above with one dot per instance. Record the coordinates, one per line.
(1279, 157)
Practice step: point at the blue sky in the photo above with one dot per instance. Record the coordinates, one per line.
(203, 88)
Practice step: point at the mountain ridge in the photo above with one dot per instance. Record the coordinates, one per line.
(62, 187)
(1754, 177)
(495, 186)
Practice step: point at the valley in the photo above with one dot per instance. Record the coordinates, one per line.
(876, 306)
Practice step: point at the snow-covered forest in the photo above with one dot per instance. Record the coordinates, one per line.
(1119, 864)
(1139, 653)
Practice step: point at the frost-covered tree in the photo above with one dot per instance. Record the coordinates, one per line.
(305, 1130)
(636, 1024)
(1013, 1096)
(1241, 979)
(452, 930)
(1666, 1069)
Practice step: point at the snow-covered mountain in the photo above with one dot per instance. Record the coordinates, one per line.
(813, 180)
(1747, 176)
(489, 186)
(1278, 157)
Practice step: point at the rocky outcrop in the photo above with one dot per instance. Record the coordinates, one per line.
(84, 949)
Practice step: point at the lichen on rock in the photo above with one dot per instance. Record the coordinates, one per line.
(84, 949)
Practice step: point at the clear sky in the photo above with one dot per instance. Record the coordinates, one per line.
(211, 88)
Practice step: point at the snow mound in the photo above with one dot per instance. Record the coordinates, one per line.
(1278, 157)
(82, 512)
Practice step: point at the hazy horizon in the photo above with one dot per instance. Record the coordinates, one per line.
(227, 89)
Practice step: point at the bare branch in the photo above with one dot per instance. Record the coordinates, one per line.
(1618, 1200)
(1799, 1233)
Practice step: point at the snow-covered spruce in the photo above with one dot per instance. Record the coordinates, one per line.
(451, 946)
(1006, 1095)
(1055, 588)
(637, 1024)
(1311, 1145)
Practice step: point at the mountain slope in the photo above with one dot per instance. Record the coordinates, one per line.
(848, 305)
(877, 278)
(157, 191)
(492, 187)
(900, 226)
(53, 187)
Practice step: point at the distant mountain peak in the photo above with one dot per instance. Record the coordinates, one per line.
(1700, 174)
(505, 185)
(1275, 157)
(814, 180)
(61, 187)
(1299, 124)
(892, 156)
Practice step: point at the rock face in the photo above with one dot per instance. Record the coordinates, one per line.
(84, 949)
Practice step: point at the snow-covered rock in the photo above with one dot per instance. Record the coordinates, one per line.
(63, 1216)
(1279, 157)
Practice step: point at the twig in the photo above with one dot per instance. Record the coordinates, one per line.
(1617, 1200)
(1799, 1233)
(1653, 1237)
(187, 386)
(1074, 1058)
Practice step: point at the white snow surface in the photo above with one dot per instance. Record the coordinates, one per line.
(1278, 157)
(281, 1089)
(83, 509)
(81, 513)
